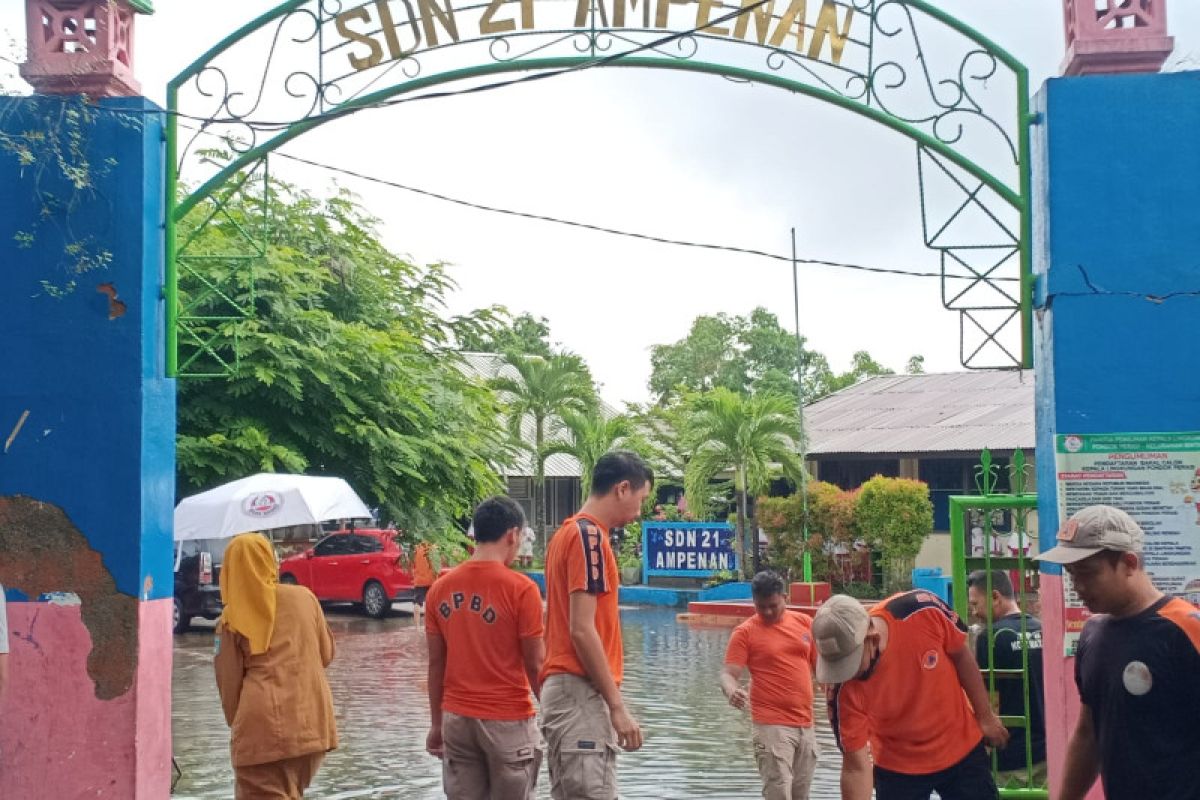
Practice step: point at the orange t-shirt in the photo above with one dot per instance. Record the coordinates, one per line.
(911, 708)
(483, 609)
(422, 565)
(781, 658)
(579, 558)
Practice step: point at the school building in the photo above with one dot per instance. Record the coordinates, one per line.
(929, 427)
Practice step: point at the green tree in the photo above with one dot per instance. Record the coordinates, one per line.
(895, 516)
(660, 435)
(745, 354)
(498, 333)
(916, 365)
(861, 366)
(587, 436)
(751, 437)
(345, 368)
(542, 391)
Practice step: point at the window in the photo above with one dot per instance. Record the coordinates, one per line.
(336, 545)
(852, 474)
(365, 544)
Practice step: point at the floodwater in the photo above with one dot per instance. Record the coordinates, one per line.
(696, 746)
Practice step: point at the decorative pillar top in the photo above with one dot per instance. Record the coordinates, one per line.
(1107, 36)
(82, 46)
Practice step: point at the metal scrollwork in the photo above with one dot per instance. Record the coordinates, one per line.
(310, 61)
(953, 98)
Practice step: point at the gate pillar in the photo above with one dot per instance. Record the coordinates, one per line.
(1117, 293)
(87, 472)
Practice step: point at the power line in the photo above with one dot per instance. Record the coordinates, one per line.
(613, 231)
(648, 237)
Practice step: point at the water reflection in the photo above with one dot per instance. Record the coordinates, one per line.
(696, 745)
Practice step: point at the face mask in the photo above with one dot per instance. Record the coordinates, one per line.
(871, 667)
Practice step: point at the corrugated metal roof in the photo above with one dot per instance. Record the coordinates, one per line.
(487, 366)
(935, 413)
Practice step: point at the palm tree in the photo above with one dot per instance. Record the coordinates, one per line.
(589, 436)
(543, 390)
(749, 436)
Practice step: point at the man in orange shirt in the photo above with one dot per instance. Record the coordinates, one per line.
(423, 576)
(584, 718)
(484, 630)
(904, 676)
(776, 646)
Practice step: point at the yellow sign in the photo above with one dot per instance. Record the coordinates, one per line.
(389, 30)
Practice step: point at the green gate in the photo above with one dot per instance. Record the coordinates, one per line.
(977, 524)
(903, 64)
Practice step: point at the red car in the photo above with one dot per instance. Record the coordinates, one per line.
(355, 566)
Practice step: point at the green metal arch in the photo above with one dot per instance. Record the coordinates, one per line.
(177, 209)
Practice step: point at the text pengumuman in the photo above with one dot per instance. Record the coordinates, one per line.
(387, 31)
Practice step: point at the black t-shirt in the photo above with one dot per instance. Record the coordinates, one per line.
(1140, 676)
(1006, 654)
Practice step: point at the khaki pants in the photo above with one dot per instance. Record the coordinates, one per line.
(489, 759)
(276, 780)
(786, 758)
(580, 741)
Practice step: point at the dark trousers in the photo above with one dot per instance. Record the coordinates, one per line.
(969, 779)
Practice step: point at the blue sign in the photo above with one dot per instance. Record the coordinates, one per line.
(687, 549)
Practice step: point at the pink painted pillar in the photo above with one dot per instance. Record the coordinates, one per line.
(87, 466)
(1109, 36)
(1062, 698)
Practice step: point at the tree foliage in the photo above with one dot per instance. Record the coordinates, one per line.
(499, 333)
(587, 436)
(542, 391)
(346, 367)
(749, 354)
(752, 437)
(895, 516)
(832, 527)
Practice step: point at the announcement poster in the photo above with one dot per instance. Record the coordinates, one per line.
(1155, 477)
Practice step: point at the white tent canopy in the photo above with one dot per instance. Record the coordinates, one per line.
(263, 502)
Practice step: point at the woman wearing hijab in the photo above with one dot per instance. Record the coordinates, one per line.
(272, 647)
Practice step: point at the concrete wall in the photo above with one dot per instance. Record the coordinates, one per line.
(87, 423)
(1117, 204)
(935, 552)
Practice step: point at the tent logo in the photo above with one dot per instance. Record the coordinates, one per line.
(263, 504)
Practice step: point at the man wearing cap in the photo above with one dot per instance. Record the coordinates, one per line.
(776, 646)
(903, 677)
(1137, 668)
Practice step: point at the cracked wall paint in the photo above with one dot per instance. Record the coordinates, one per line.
(46, 553)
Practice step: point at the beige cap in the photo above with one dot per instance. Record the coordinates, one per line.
(1091, 530)
(839, 629)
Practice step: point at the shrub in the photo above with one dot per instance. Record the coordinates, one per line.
(894, 516)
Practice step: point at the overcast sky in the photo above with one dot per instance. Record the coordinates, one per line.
(665, 153)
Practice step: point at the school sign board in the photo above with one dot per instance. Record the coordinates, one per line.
(687, 549)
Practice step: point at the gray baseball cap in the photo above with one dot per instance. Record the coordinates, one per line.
(839, 629)
(1091, 530)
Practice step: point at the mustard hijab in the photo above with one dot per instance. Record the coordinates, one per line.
(248, 581)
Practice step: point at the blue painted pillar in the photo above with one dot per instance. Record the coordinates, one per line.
(87, 472)
(1116, 234)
